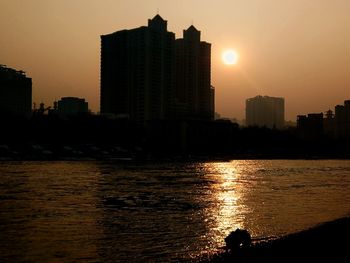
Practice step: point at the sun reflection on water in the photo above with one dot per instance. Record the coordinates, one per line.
(228, 211)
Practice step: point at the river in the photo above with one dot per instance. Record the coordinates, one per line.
(94, 211)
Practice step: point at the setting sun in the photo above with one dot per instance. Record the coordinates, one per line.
(230, 57)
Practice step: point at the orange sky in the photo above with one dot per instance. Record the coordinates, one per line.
(296, 49)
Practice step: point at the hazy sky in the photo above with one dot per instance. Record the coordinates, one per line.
(296, 49)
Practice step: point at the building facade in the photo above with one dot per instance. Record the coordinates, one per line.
(15, 92)
(264, 111)
(138, 73)
(194, 92)
(146, 74)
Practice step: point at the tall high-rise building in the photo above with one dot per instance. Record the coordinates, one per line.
(194, 93)
(138, 72)
(15, 92)
(265, 112)
(148, 75)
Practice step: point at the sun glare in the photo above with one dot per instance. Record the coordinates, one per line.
(230, 57)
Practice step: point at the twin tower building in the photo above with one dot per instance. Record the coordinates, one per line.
(147, 74)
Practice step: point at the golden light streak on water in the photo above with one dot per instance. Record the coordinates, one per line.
(226, 214)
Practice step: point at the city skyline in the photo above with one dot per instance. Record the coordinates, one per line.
(292, 49)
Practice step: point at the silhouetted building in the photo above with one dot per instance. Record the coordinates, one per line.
(15, 92)
(212, 102)
(138, 72)
(310, 126)
(329, 124)
(333, 125)
(265, 112)
(72, 106)
(194, 93)
(148, 75)
(342, 120)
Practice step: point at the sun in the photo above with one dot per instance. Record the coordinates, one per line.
(230, 57)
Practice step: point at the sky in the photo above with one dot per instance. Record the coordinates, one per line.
(296, 49)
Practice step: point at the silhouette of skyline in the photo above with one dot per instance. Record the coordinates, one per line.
(159, 91)
(316, 125)
(289, 49)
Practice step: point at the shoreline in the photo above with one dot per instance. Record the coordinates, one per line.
(325, 242)
(164, 159)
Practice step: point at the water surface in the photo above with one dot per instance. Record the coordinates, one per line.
(108, 212)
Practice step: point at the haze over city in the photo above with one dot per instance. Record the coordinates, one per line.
(293, 49)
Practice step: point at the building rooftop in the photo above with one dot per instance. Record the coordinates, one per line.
(158, 17)
(5, 69)
(193, 28)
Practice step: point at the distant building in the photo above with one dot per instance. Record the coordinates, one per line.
(333, 125)
(217, 116)
(310, 126)
(329, 128)
(265, 112)
(72, 106)
(15, 92)
(148, 75)
(342, 120)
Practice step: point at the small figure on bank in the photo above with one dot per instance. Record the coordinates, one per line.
(237, 239)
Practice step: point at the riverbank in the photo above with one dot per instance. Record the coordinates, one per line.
(327, 242)
(94, 153)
